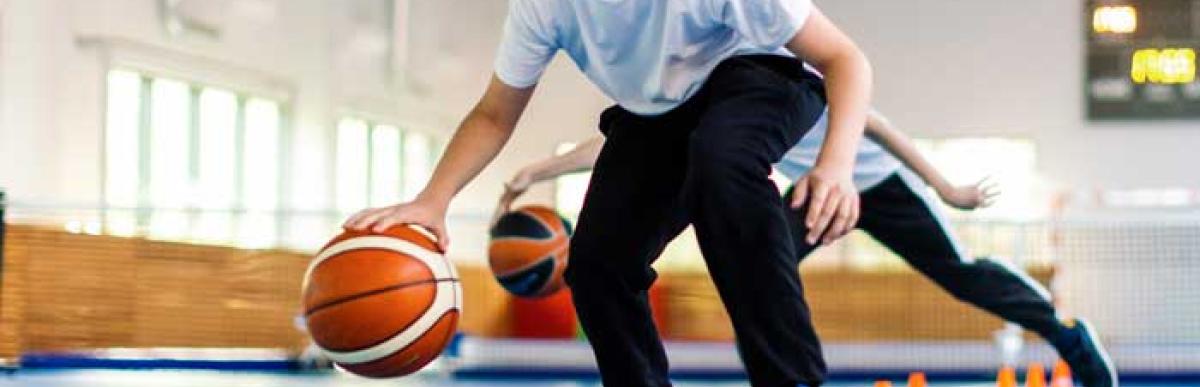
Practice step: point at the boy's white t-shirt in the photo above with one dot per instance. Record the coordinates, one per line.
(647, 55)
(872, 163)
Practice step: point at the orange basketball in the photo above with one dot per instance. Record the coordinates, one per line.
(528, 251)
(382, 305)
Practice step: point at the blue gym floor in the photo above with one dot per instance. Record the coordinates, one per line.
(107, 378)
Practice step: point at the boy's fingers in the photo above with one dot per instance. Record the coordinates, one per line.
(501, 209)
(841, 220)
(385, 222)
(504, 204)
(443, 241)
(816, 204)
(854, 212)
(821, 224)
(355, 220)
(368, 218)
(799, 193)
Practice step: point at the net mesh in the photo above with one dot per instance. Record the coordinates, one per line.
(69, 284)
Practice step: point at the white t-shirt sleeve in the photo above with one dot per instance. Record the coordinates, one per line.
(527, 45)
(766, 24)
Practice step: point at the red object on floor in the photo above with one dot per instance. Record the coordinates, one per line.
(550, 317)
(658, 306)
(553, 316)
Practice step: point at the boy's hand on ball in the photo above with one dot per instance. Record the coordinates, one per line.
(519, 183)
(513, 189)
(419, 212)
(832, 204)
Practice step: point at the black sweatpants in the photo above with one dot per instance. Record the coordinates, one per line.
(705, 163)
(900, 214)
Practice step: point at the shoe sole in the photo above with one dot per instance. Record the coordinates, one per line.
(1096, 343)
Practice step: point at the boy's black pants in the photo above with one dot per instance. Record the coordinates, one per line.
(704, 163)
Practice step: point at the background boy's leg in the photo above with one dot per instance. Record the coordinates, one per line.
(630, 213)
(908, 222)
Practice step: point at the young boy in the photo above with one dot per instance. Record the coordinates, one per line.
(710, 93)
(897, 211)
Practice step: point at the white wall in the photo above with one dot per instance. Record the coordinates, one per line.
(52, 112)
(946, 68)
(943, 68)
(54, 89)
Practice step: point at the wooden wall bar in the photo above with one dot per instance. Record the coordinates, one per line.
(72, 291)
(846, 306)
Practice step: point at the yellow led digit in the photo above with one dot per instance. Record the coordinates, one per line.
(1167, 66)
(1140, 65)
(1115, 19)
(1187, 69)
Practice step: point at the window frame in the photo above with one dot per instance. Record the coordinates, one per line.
(373, 122)
(195, 85)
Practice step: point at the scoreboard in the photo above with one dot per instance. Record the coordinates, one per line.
(1141, 59)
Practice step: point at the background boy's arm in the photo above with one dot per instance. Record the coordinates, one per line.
(478, 139)
(963, 197)
(581, 158)
(829, 187)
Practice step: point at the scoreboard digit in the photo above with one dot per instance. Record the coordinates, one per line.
(1141, 59)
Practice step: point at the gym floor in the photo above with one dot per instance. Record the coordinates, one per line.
(111, 378)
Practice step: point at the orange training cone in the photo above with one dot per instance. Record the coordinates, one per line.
(1007, 377)
(1062, 375)
(883, 383)
(1035, 376)
(916, 379)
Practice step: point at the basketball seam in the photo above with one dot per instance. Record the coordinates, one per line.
(342, 300)
(389, 336)
(455, 308)
(518, 271)
(369, 248)
(547, 225)
(422, 254)
(445, 298)
(409, 345)
(551, 255)
(522, 238)
(535, 218)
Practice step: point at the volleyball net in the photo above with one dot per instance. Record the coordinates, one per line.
(101, 283)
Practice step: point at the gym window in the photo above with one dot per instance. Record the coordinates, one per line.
(186, 161)
(1011, 227)
(1010, 162)
(379, 164)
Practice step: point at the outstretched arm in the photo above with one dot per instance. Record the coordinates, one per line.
(967, 197)
(478, 139)
(582, 158)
